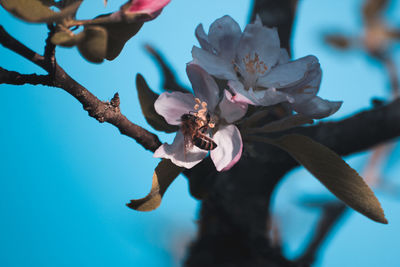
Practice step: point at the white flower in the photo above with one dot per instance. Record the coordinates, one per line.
(224, 112)
(258, 70)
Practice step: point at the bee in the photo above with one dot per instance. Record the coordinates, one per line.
(194, 129)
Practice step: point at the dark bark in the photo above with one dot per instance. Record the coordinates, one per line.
(103, 111)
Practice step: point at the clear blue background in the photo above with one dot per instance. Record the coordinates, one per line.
(65, 178)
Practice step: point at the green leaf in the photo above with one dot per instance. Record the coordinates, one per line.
(334, 173)
(67, 39)
(118, 34)
(37, 10)
(147, 98)
(282, 124)
(164, 175)
(93, 46)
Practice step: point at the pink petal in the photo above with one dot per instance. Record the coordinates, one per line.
(204, 86)
(177, 154)
(231, 110)
(152, 8)
(173, 105)
(229, 147)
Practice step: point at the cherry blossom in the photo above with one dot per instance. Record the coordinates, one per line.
(206, 100)
(258, 70)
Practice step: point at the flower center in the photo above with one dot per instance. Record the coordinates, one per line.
(254, 66)
(202, 113)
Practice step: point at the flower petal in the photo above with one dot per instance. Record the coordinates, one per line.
(204, 86)
(264, 97)
(229, 147)
(152, 8)
(224, 35)
(316, 107)
(203, 38)
(283, 56)
(214, 65)
(173, 105)
(261, 40)
(288, 74)
(177, 154)
(230, 109)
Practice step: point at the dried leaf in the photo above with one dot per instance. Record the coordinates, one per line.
(334, 173)
(147, 98)
(38, 10)
(164, 175)
(93, 46)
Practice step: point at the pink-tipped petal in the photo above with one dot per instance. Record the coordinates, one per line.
(173, 105)
(204, 86)
(231, 110)
(178, 155)
(229, 147)
(152, 8)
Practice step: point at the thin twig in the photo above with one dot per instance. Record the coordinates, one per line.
(103, 111)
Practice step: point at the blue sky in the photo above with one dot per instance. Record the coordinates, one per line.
(66, 178)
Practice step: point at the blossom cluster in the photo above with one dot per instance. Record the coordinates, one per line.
(257, 72)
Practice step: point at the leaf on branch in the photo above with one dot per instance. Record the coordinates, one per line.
(163, 176)
(282, 124)
(38, 10)
(118, 34)
(93, 45)
(334, 173)
(147, 98)
(67, 39)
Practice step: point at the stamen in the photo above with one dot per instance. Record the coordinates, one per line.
(254, 65)
(198, 101)
(196, 107)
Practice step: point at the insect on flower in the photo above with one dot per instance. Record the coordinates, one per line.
(195, 127)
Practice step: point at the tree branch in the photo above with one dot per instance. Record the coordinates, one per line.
(100, 110)
(15, 78)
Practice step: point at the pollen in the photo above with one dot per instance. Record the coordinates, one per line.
(254, 65)
(200, 112)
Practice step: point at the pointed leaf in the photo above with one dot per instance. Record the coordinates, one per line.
(147, 98)
(282, 124)
(164, 175)
(118, 34)
(38, 10)
(93, 46)
(334, 173)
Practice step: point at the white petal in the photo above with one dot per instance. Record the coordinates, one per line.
(214, 65)
(224, 35)
(261, 40)
(283, 56)
(229, 147)
(288, 74)
(204, 86)
(316, 107)
(177, 154)
(173, 105)
(266, 97)
(231, 110)
(203, 38)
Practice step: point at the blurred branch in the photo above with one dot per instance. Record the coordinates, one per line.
(278, 14)
(332, 212)
(170, 82)
(103, 111)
